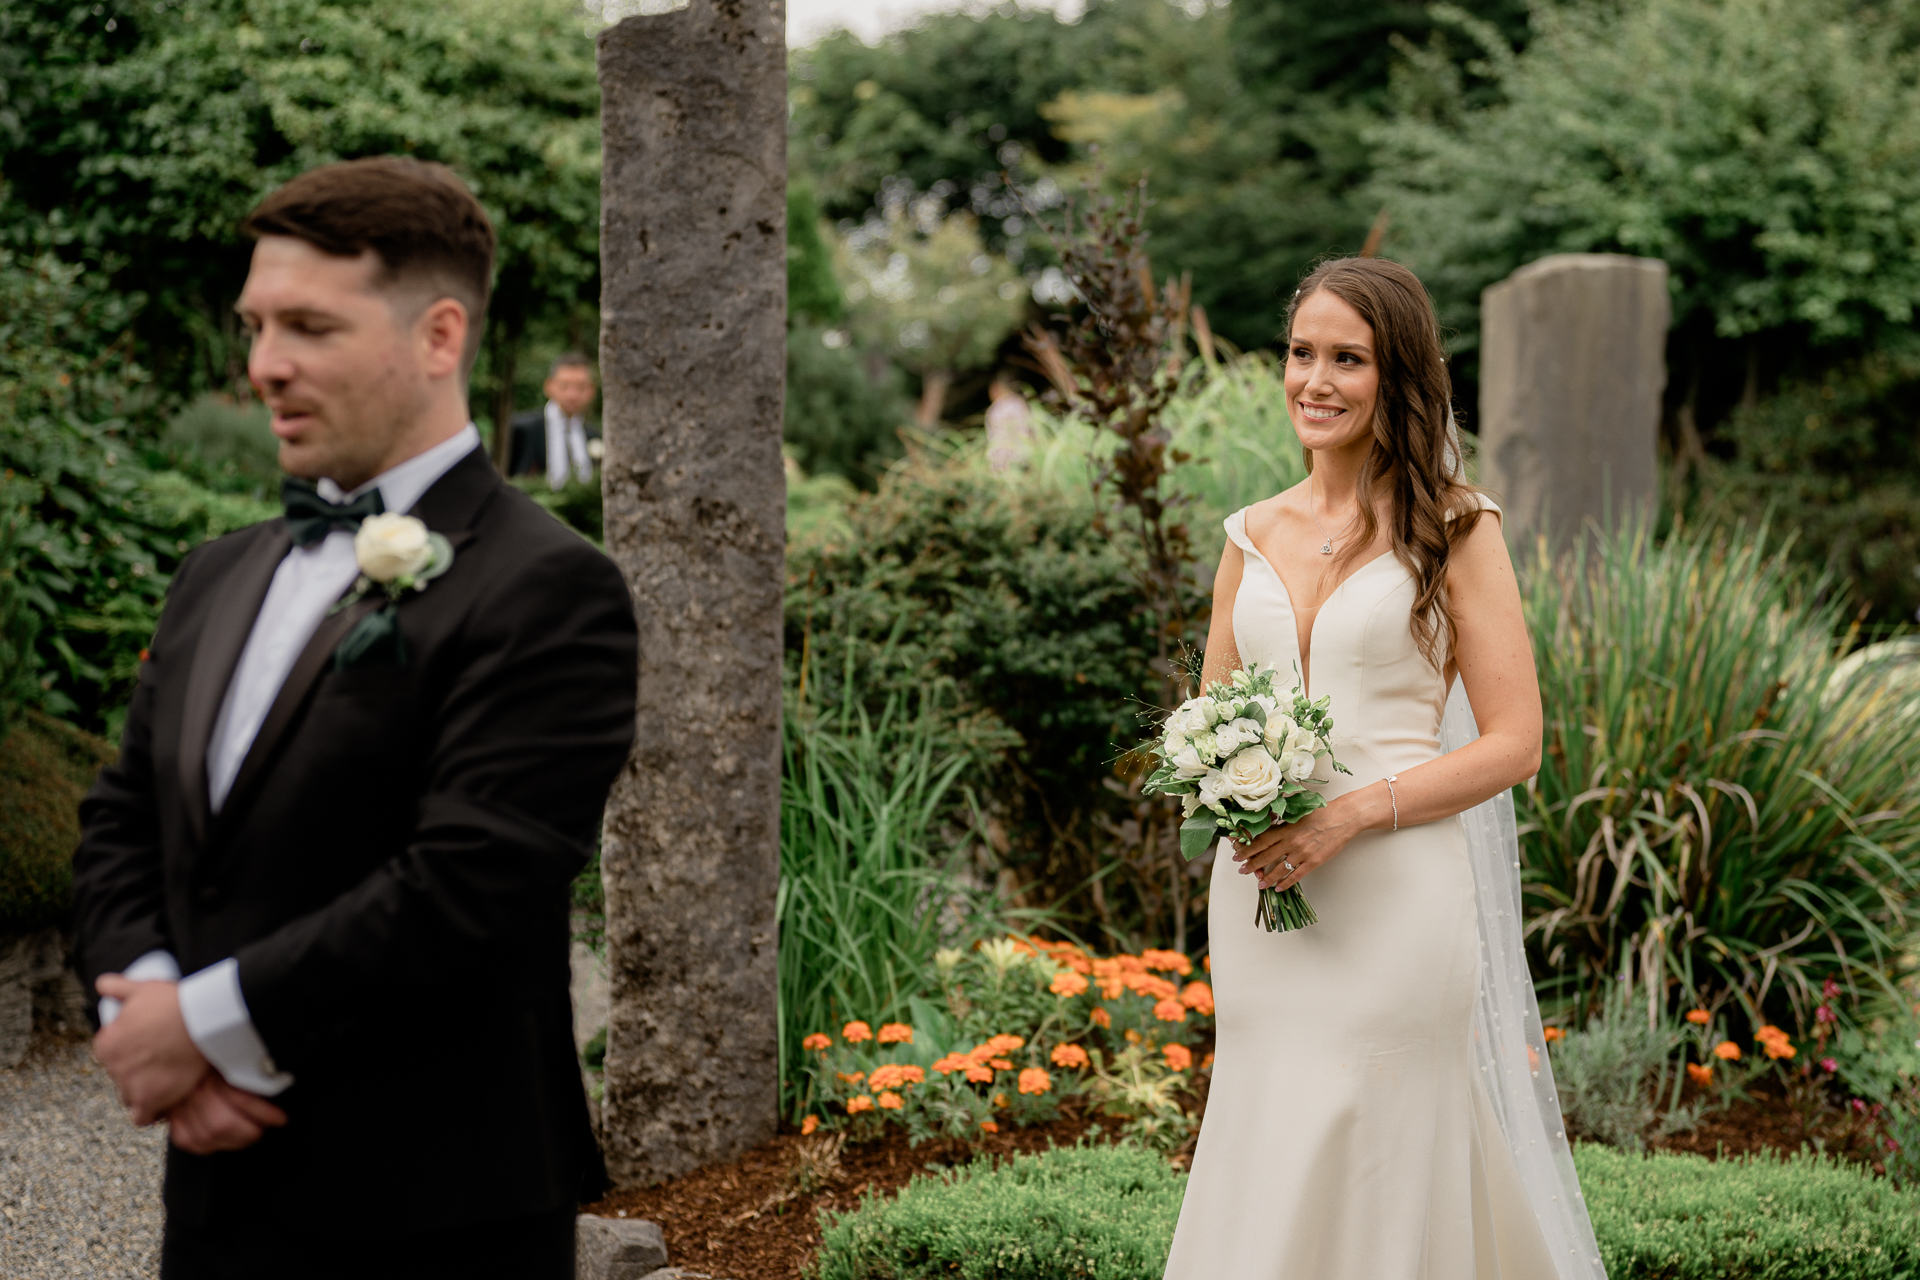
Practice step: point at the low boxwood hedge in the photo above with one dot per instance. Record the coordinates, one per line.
(1680, 1217)
(1109, 1211)
(1075, 1211)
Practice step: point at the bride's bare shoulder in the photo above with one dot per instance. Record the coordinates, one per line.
(1265, 514)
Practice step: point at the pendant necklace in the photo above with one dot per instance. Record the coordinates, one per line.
(1326, 539)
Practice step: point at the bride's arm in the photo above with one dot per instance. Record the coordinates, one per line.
(1223, 657)
(1495, 660)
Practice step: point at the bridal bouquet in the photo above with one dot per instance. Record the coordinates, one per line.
(1239, 756)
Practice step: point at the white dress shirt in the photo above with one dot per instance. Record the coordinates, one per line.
(304, 587)
(566, 448)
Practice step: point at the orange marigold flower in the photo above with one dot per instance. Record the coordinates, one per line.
(1022, 946)
(851, 1078)
(891, 1101)
(1105, 968)
(910, 1074)
(988, 1126)
(858, 1104)
(1069, 1055)
(952, 1062)
(1780, 1049)
(1170, 1011)
(1112, 989)
(1077, 963)
(885, 1076)
(1198, 996)
(1173, 960)
(855, 1032)
(1206, 1062)
(816, 1041)
(896, 1033)
(1727, 1050)
(1130, 964)
(808, 1125)
(1179, 1057)
(1767, 1033)
(1206, 963)
(1533, 1059)
(1005, 1044)
(1035, 1080)
(1551, 1034)
(1101, 1017)
(1000, 1064)
(1067, 983)
(1700, 1018)
(978, 1074)
(1133, 1037)
(1000, 1101)
(1700, 1073)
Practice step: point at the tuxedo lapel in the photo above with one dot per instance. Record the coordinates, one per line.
(306, 669)
(214, 658)
(455, 498)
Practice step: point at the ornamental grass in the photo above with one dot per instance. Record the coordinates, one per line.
(1726, 807)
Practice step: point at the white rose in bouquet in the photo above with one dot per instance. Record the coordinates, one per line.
(1190, 719)
(1189, 805)
(1299, 766)
(389, 547)
(1232, 736)
(1253, 778)
(1187, 763)
(1213, 790)
(1279, 728)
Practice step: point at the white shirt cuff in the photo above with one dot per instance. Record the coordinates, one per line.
(221, 1028)
(155, 966)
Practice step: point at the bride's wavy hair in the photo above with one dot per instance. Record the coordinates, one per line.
(1414, 464)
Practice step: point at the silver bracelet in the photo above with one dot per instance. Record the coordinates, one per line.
(1394, 800)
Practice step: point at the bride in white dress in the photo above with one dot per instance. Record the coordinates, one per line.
(1381, 1105)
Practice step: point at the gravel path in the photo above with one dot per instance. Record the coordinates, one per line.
(79, 1185)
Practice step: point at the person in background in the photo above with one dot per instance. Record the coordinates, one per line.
(557, 439)
(1009, 425)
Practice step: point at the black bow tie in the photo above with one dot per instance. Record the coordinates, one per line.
(311, 517)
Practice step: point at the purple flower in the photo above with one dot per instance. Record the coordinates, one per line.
(1829, 1066)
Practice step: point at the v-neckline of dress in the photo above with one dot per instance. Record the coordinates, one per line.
(1306, 655)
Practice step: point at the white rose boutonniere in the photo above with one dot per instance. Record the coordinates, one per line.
(396, 554)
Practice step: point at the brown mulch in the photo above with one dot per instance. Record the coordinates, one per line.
(748, 1220)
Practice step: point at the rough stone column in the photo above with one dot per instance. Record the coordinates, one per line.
(1572, 366)
(693, 361)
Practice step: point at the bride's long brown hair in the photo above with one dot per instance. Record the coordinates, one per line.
(1412, 463)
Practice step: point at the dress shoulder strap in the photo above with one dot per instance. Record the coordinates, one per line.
(1236, 527)
(1481, 502)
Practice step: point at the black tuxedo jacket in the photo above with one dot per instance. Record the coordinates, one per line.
(527, 447)
(391, 869)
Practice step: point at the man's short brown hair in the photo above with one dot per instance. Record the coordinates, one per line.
(418, 218)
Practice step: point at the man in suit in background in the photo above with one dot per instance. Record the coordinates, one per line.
(325, 888)
(557, 439)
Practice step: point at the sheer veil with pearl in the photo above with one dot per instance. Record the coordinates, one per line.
(1509, 1048)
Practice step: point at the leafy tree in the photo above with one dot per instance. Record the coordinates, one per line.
(925, 290)
(156, 129)
(845, 405)
(1767, 150)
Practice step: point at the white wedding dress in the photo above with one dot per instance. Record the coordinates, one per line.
(1381, 1105)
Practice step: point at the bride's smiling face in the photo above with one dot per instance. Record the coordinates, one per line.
(1333, 379)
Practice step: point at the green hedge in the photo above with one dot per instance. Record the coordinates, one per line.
(1678, 1217)
(1109, 1212)
(46, 766)
(1081, 1211)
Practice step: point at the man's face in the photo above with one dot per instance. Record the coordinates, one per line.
(341, 363)
(571, 387)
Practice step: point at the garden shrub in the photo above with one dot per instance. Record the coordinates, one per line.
(102, 533)
(46, 766)
(1682, 1217)
(1093, 1211)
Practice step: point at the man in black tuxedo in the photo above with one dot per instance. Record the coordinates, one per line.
(364, 761)
(556, 440)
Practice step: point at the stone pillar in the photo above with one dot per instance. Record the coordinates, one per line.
(693, 361)
(1572, 367)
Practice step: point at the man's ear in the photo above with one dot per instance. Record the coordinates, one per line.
(441, 332)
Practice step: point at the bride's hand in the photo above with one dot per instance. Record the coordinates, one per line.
(1309, 843)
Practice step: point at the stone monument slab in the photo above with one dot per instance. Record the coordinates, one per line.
(1572, 367)
(693, 364)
